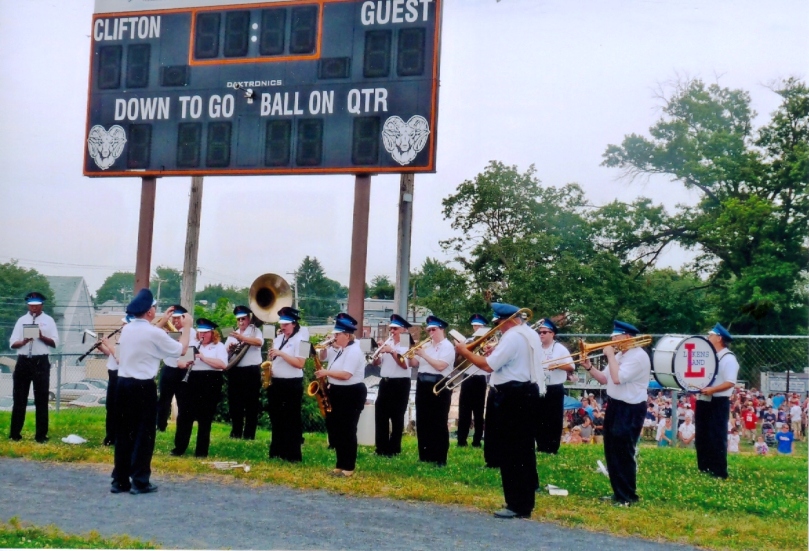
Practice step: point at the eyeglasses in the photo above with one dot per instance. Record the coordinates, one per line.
(431, 329)
(545, 332)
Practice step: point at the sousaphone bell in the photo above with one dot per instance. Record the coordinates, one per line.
(268, 294)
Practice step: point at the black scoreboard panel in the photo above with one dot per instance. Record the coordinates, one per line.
(324, 86)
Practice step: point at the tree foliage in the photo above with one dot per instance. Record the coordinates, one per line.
(167, 282)
(213, 292)
(317, 294)
(15, 283)
(117, 287)
(381, 288)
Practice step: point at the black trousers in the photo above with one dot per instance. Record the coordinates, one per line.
(170, 380)
(517, 406)
(432, 414)
(491, 444)
(197, 400)
(711, 435)
(347, 402)
(623, 424)
(36, 370)
(135, 431)
(244, 393)
(112, 403)
(284, 404)
(549, 419)
(389, 412)
(471, 403)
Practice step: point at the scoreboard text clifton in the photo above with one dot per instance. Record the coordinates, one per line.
(196, 87)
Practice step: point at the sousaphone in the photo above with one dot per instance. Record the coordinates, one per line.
(268, 294)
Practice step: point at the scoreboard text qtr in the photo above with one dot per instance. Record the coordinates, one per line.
(263, 87)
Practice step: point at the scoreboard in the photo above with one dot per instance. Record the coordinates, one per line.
(222, 87)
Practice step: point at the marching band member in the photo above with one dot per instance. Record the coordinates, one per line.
(472, 400)
(627, 380)
(491, 444)
(713, 408)
(516, 368)
(244, 379)
(33, 366)
(108, 348)
(173, 371)
(141, 347)
(201, 393)
(558, 364)
(394, 390)
(328, 355)
(347, 393)
(432, 411)
(285, 394)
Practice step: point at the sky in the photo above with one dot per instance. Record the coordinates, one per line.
(543, 82)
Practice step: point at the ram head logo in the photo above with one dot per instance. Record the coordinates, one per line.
(105, 147)
(404, 140)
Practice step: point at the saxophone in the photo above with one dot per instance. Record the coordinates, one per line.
(317, 388)
(266, 374)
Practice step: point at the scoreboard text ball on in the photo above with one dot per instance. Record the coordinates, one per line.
(196, 87)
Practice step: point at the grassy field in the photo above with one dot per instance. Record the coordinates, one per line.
(763, 505)
(16, 535)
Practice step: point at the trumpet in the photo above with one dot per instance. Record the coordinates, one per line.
(378, 352)
(410, 354)
(478, 346)
(324, 344)
(585, 349)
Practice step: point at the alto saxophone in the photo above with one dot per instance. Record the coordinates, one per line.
(266, 374)
(317, 388)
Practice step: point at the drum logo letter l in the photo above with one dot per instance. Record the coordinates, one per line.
(689, 346)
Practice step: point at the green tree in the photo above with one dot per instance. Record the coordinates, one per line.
(381, 288)
(15, 283)
(445, 292)
(117, 287)
(750, 225)
(317, 294)
(213, 292)
(166, 284)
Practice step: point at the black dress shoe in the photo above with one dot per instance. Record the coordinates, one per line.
(475, 444)
(461, 444)
(15, 438)
(135, 490)
(508, 513)
(117, 488)
(42, 440)
(175, 452)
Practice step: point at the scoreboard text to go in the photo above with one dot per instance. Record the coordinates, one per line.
(335, 86)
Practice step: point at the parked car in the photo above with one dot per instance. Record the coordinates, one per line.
(71, 391)
(7, 401)
(100, 383)
(90, 401)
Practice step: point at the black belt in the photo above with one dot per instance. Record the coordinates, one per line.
(559, 385)
(396, 378)
(429, 378)
(514, 385)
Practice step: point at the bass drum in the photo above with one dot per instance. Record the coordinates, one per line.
(685, 363)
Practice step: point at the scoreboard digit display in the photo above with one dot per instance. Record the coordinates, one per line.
(221, 87)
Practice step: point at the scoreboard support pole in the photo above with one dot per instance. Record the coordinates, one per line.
(189, 288)
(359, 247)
(406, 186)
(143, 263)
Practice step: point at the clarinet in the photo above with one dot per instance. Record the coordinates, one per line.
(31, 344)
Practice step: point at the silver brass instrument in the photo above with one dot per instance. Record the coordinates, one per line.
(478, 346)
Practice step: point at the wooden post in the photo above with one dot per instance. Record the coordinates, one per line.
(403, 244)
(189, 288)
(143, 263)
(359, 248)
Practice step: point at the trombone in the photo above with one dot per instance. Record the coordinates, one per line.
(586, 349)
(478, 346)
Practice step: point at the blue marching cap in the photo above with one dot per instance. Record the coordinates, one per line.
(503, 310)
(178, 310)
(477, 319)
(398, 321)
(722, 332)
(548, 324)
(204, 325)
(141, 303)
(344, 316)
(435, 321)
(623, 328)
(288, 314)
(241, 311)
(344, 325)
(34, 298)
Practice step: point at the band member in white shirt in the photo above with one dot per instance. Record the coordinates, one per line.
(347, 393)
(394, 390)
(202, 391)
(33, 366)
(434, 361)
(173, 371)
(517, 380)
(627, 380)
(713, 408)
(108, 347)
(558, 364)
(244, 379)
(491, 444)
(140, 348)
(472, 400)
(285, 394)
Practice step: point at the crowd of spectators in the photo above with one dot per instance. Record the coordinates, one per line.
(769, 423)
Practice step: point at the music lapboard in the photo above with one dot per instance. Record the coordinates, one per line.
(30, 331)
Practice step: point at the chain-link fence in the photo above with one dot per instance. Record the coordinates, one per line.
(770, 363)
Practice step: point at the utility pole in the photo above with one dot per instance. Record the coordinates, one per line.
(189, 286)
(406, 186)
